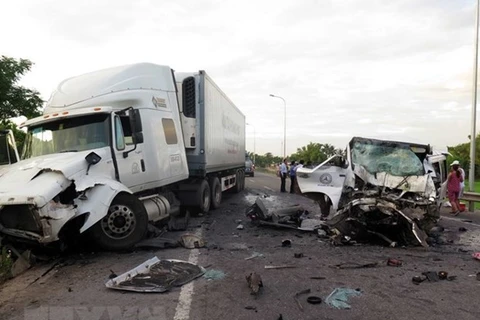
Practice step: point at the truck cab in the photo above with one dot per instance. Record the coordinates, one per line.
(108, 156)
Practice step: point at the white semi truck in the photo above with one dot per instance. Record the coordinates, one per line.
(119, 148)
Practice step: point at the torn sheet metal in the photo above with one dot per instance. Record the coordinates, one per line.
(156, 275)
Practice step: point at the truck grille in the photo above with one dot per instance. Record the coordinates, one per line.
(19, 217)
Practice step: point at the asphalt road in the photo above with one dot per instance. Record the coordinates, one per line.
(75, 287)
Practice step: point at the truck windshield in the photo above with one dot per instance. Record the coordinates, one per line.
(67, 135)
(392, 158)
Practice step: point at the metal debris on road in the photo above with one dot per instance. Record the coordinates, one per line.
(354, 265)
(191, 241)
(339, 297)
(240, 227)
(255, 255)
(214, 274)
(280, 267)
(160, 243)
(155, 275)
(298, 255)
(254, 282)
(286, 243)
(318, 278)
(295, 297)
(462, 229)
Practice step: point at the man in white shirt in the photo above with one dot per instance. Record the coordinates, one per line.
(283, 175)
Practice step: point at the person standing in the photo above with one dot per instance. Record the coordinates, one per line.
(456, 163)
(293, 176)
(283, 175)
(453, 187)
(296, 189)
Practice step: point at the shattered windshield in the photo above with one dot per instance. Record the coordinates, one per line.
(395, 159)
(67, 135)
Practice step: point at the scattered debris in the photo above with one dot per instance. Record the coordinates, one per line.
(318, 278)
(476, 255)
(280, 317)
(462, 229)
(295, 297)
(240, 227)
(112, 275)
(432, 276)
(314, 300)
(353, 265)
(339, 297)
(155, 275)
(286, 243)
(255, 255)
(418, 279)
(214, 274)
(254, 282)
(191, 241)
(321, 233)
(467, 220)
(478, 276)
(251, 308)
(158, 243)
(238, 221)
(235, 246)
(280, 267)
(298, 255)
(394, 262)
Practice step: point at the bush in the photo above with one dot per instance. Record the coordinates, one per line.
(6, 263)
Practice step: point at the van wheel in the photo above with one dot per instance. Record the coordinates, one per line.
(216, 192)
(124, 225)
(203, 197)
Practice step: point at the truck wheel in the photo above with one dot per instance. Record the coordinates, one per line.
(124, 225)
(239, 181)
(203, 197)
(216, 192)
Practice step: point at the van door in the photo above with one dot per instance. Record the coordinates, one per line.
(327, 178)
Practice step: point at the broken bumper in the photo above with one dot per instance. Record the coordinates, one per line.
(42, 225)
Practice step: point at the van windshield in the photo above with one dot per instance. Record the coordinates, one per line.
(67, 135)
(393, 158)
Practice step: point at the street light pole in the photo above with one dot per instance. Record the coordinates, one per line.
(254, 138)
(284, 125)
(471, 176)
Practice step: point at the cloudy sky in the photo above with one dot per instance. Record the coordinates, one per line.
(395, 69)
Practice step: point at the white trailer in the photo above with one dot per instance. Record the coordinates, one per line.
(115, 150)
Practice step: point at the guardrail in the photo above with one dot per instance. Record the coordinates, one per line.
(470, 196)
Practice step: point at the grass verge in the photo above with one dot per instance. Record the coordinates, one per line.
(6, 263)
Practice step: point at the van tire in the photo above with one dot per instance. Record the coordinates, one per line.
(204, 199)
(125, 224)
(216, 192)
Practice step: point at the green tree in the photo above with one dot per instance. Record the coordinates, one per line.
(16, 100)
(315, 152)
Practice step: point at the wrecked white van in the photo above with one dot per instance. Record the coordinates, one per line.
(379, 188)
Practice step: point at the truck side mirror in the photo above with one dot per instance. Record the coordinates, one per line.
(92, 158)
(136, 126)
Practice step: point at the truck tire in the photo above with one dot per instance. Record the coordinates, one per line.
(239, 181)
(216, 192)
(203, 197)
(124, 225)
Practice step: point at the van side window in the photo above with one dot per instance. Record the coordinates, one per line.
(169, 130)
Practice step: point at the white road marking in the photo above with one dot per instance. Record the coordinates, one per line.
(182, 312)
(268, 188)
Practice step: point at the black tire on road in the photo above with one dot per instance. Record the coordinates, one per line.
(216, 192)
(124, 225)
(203, 197)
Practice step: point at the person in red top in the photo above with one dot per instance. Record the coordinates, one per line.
(454, 180)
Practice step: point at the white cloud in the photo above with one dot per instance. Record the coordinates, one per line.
(344, 67)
